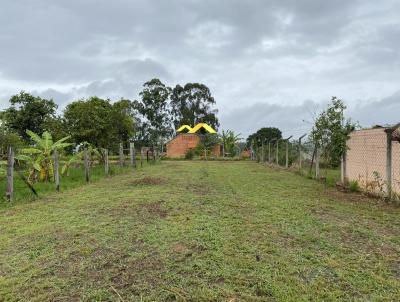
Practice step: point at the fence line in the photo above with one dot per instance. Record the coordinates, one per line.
(10, 168)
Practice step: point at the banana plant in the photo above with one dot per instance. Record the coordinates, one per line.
(39, 157)
(230, 140)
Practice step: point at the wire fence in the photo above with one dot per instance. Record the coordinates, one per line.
(371, 163)
(20, 181)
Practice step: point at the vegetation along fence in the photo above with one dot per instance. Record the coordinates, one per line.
(25, 179)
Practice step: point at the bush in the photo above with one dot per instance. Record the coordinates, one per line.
(189, 154)
(354, 186)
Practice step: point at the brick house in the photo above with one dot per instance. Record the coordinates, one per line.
(188, 138)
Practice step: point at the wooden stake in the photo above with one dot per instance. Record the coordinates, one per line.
(287, 154)
(56, 171)
(10, 174)
(121, 154)
(106, 163)
(269, 152)
(317, 175)
(262, 152)
(86, 164)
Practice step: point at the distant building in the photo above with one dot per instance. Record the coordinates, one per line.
(188, 138)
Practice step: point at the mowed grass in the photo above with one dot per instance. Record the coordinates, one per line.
(201, 231)
(74, 178)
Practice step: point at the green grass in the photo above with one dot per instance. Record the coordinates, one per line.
(75, 178)
(330, 176)
(201, 231)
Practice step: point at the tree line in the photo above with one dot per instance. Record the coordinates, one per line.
(149, 120)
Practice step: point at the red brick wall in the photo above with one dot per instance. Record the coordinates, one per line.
(178, 146)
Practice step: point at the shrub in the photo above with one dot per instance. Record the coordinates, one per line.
(354, 186)
(189, 154)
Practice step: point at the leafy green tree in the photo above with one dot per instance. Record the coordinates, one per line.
(99, 122)
(331, 131)
(155, 123)
(230, 141)
(29, 112)
(263, 134)
(193, 104)
(8, 138)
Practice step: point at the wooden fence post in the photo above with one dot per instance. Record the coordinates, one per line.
(262, 151)
(317, 163)
(86, 164)
(56, 171)
(277, 152)
(287, 154)
(133, 154)
(389, 163)
(287, 151)
(121, 154)
(10, 174)
(269, 152)
(106, 163)
(141, 157)
(343, 169)
(300, 138)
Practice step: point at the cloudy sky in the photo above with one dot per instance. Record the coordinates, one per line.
(268, 63)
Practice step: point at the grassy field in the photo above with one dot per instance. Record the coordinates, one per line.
(201, 231)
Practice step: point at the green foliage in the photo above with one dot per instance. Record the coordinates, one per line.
(354, 186)
(155, 123)
(8, 138)
(29, 112)
(264, 134)
(99, 122)
(189, 154)
(193, 104)
(39, 157)
(207, 143)
(92, 152)
(330, 132)
(230, 141)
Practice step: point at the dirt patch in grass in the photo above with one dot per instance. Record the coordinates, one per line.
(148, 181)
(155, 209)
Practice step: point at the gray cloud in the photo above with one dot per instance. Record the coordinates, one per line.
(259, 56)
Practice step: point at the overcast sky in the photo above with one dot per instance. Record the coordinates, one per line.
(267, 63)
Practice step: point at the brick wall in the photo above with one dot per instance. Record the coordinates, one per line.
(179, 145)
(366, 155)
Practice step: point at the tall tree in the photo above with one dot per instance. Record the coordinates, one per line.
(28, 112)
(331, 130)
(8, 139)
(99, 122)
(264, 134)
(193, 104)
(155, 122)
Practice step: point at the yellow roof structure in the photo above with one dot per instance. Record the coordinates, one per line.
(204, 126)
(181, 128)
(196, 128)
